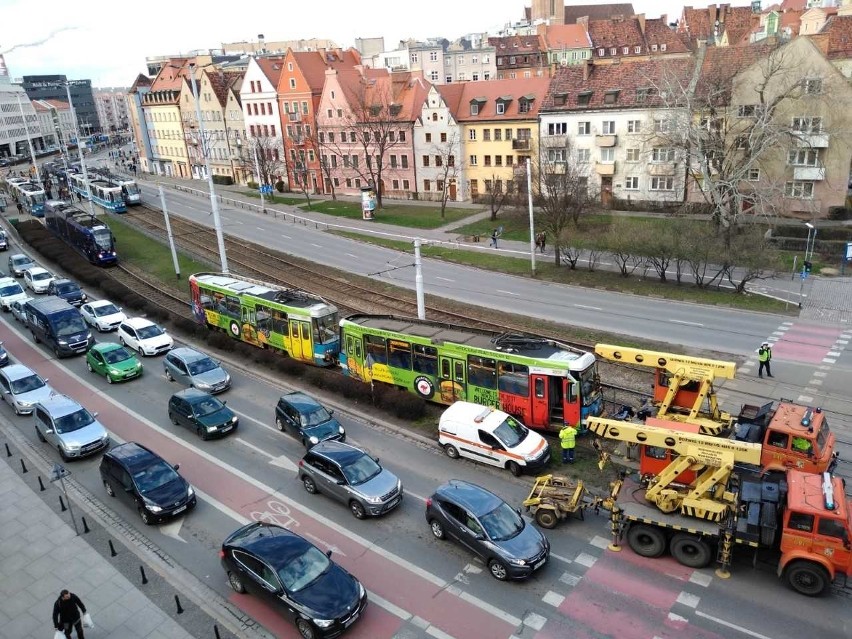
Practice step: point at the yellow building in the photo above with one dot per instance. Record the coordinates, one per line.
(499, 129)
(161, 106)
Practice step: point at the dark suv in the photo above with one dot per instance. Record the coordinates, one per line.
(306, 419)
(146, 482)
(489, 527)
(68, 290)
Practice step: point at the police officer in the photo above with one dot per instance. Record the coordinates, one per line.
(764, 356)
(568, 440)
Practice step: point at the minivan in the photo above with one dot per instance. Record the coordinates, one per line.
(59, 325)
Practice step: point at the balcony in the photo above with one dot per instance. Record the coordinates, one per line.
(605, 168)
(521, 145)
(294, 116)
(812, 140)
(554, 141)
(661, 168)
(809, 173)
(606, 141)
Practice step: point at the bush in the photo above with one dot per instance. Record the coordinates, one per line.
(839, 213)
(252, 185)
(279, 186)
(185, 325)
(221, 341)
(227, 180)
(289, 366)
(134, 301)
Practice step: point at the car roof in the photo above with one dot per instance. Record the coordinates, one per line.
(59, 405)
(63, 280)
(7, 280)
(37, 269)
(18, 256)
(192, 395)
(300, 400)
(138, 322)
(133, 456)
(338, 452)
(14, 372)
(99, 303)
(472, 497)
(188, 354)
(275, 544)
(106, 347)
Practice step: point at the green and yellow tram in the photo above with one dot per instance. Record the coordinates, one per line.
(543, 382)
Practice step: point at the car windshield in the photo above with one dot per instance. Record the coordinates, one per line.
(103, 238)
(67, 288)
(11, 289)
(69, 323)
(37, 277)
(27, 384)
(325, 328)
(314, 417)
(116, 355)
(147, 332)
(206, 406)
(303, 570)
(154, 476)
(20, 261)
(502, 523)
(511, 432)
(202, 366)
(361, 470)
(131, 189)
(106, 309)
(73, 421)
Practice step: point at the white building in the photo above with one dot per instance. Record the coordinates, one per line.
(469, 59)
(438, 150)
(111, 105)
(261, 112)
(55, 122)
(13, 129)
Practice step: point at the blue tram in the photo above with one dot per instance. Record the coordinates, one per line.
(109, 197)
(31, 196)
(86, 233)
(129, 189)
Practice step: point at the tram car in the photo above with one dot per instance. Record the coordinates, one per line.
(102, 194)
(129, 189)
(31, 196)
(80, 229)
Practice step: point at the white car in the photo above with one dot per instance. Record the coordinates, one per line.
(37, 279)
(144, 336)
(102, 315)
(18, 310)
(10, 291)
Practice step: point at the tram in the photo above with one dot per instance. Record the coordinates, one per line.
(83, 231)
(31, 196)
(129, 189)
(109, 197)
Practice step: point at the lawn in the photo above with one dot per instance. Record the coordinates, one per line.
(273, 199)
(418, 217)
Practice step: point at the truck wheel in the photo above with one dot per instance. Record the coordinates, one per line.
(515, 469)
(452, 451)
(35, 337)
(807, 578)
(690, 551)
(646, 541)
(546, 518)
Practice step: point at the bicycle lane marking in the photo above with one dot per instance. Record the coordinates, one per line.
(413, 588)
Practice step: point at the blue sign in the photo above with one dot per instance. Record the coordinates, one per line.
(265, 188)
(849, 251)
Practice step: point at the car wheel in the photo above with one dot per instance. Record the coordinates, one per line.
(690, 551)
(56, 351)
(546, 518)
(309, 484)
(498, 570)
(306, 630)
(17, 411)
(515, 468)
(35, 337)
(279, 424)
(201, 433)
(89, 367)
(146, 517)
(121, 340)
(646, 541)
(437, 529)
(807, 578)
(357, 509)
(172, 418)
(452, 451)
(169, 375)
(40, 436)
(109, 489)
(109, 379)
(62, 453)
(236, 583)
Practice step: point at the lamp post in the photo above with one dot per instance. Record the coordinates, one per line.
(29, 139)
(80, 150)
(811, 241)
(259, 179)
(214, 203)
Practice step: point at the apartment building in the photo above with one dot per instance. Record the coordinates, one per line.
(138, 124)
(520, 57)
(566, 44)
(212, 143)
(55, 122)
(161, 107)
(438, 160)
(623, 37)
(262, 131)
(471, 58)
(112, 109)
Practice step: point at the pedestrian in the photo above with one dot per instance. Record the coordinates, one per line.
(20, 207)
(764, 356)
(543, 240)
(568, 440)
(66, 614)
(494, 236)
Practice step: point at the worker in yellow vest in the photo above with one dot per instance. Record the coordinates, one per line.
(568, 440)
(764, 356)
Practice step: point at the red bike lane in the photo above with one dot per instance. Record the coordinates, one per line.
(401, 583)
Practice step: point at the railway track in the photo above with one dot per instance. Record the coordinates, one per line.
(152, 292)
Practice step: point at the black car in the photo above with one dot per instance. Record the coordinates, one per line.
(306, 419)
(68, 290)
(4, 240)
(4, 356)
(201, 412)
(486, 525)
(290, 573)
(147, 482)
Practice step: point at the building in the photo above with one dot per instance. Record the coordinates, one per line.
(558, 12)
(235, 126)
(204, 56)
(368, 47)
(262, 131)
(499, 122)
(111, 105)
(835, 41)
(814, 19)
(438, 146)
(53, 87)
(279, 47)
(471, 58)
(520, 56)
(138, 124)
(633, 36)
(56, 123)
(211, 144)
(710, 24)
(161, 106)
(565, 44)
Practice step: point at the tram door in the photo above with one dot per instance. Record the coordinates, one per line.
(300, 340)
(453, 382)
(540, 402)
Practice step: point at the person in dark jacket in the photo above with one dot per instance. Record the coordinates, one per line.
(66, 614)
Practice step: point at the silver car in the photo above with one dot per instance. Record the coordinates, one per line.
(19, 264)
(352, 476)
(195, 369)
(22, 388)
(19, 311)
(68, 427)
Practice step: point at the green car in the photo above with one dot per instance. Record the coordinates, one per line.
(113, 361)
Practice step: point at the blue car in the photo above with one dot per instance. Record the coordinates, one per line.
(307, 420)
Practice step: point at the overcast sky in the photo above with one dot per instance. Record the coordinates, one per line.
(107, 40)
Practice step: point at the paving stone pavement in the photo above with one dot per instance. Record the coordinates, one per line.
(829, 300)
(40, 555)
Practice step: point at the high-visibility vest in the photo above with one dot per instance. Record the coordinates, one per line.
(764, 354)
(568, 437)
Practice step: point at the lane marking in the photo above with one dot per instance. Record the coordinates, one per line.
(508, 293)
(588, 308)
(282, 461)
(351, 255)
(445, 279)
(804, 399)
(698, 324)
(733, 626)
(700, 579)
(569, 579)
(260, 228)
(561, 558)
(535, 621)
(316, 245)
(395, 610)
(688, 599)
(553, 598)
(437, 633)
(255, 421)
(585, 559)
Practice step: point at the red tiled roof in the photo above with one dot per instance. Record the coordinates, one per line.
(518, 44)
(699, 24)
(794, 5)
(459, 97)
(592, 11)
(837, 33)
(738, 23)
(626, 79)
(618, 33)
(46, 105)
(271, 67)
(313, 64)
(721, 65)
(566, 36)
(364, 87)
(658, 32)
(169, 78)
(219, 83)
(140, 81)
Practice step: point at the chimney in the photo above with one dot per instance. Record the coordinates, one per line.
(584, 20)
(641, 19)
(587, 70)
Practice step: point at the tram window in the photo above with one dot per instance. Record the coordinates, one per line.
(572, 392)
(326, 328)
(656, 452)
(831, 528)
(230, 306)
(482, 371)
(399, 354)
(358, 349)
(279, 322)
(459, 372)
(306, 331)
(514, 379)
(801, 521)
(539, 387)
(445, 368)
(207, 303)
(425, 359)
(264, 323)
(375, 347)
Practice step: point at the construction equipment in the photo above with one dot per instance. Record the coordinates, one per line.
(555, 497)
(682, 385)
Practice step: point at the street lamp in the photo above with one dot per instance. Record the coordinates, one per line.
(811, 241)
(29, 139)
(80, 150)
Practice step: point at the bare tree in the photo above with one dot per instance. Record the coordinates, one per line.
(496, 196)
(449, 168)
(264, 155)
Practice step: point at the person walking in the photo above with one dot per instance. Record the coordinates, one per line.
(20, 207)
(764, 356)
(66, 614)
(568, 440)
(494, 236)
(541, 241)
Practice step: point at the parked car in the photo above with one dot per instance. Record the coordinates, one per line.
(4, 240)
(289, 572)
(68, 427)
(195, 369)
(18, 310)
(146, 482)
(38, 279)
(144, 336)
(202, 413)
(22, 388)
(350, 475)
(102, 315)
(4, 356)
(113, 361)
(486, 525)
(68, 290)
(19, 263)
(306, 419)
(10, 292)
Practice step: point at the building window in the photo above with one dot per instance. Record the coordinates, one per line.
(662, 183)
(406, 185)
(662, 154)
(448, 79)
(510, 159)
(508, 133)
(747, 110)
(427, 185)
(475, 76)
(584, 128)
(662, 47)
(631, 183)
(556, 155)
(807, 125)
(609, 127)
(433, 76)
(661, 126)
(557, 128)
(402, 136)
(637, 50)
(501, 108)
(523, 106)
(439, 160)
(498, 135)
(601, 52)
(329, 113)
(754, 175)
(813, 86)
(487, 160)
(634, 126)
(428, 137)
(803, 157)
(486, 75)
(584, 155)
(486, 135)
(413, 57)
(433, 56)
(349, 182)
(625, 50)
(632, 155)
(613, 51)
(498, 160)
(653, 47)
(471, 135)
(472, 160)
(393, 161)
(292, 83)
(799, 190)
(607, 155)
(395, 185)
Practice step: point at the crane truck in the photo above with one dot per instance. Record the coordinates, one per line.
(728, 502)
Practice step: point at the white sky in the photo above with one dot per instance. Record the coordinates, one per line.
(107, 40)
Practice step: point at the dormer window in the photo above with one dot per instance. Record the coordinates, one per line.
(395, 109)
(643, 94)
(613, 51)
(501, 108)
(560, 99)
(476, 105)
(584, 98)
(601, 52)
(611, 97)
(525, 103)
(653, 47)
(625, 50)
(637, 50)
(662, 47)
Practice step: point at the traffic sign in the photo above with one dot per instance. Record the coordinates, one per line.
(58, 472)
(849, 251)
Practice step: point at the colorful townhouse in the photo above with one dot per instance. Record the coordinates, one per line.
(438, 159)
(212, 89)
(138, 125)
(262, 131)
(161, 106)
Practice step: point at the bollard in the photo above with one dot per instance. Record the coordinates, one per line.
(144, 578)
(216, 631)
(112, 552)
(177, 602)
(85, 525)
(8, 452)
(62, 504)
(40, 484)
(23, 466)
